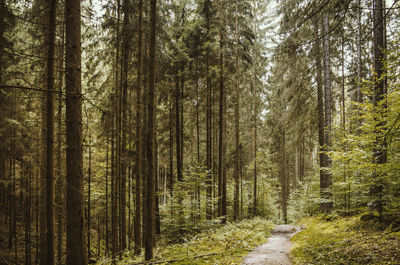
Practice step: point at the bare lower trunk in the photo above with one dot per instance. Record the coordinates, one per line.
(138, 175)
(76, 254)
(380, 149)
(236, 110)
(150, 189)
(326, 183)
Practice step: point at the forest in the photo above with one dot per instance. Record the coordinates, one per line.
(183, 131)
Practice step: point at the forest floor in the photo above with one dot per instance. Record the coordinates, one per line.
(225, 244)
(276, 250)
(346, 240)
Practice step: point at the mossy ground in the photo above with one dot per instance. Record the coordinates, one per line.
(348, 240)
(228, 244)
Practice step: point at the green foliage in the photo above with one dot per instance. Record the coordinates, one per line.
(345, 241)
(372, 128)
(182, 214)
(227, 244)
(304, 201)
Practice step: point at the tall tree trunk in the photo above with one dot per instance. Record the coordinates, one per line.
(178, 125)
(171, 149)
(28, 210)
(182, 123)
(107, 200)
(197, 116)
(320, 105)
(208, 117)
(283, 174)
(326, 185)
(51, 38)
(88, 196)
(237, 148)
(221, 164)
(380, 151)
(114, 203)
(37, 203)
(76, 254)
(359, 97)
(117, 144)
(60, 177)
(255, 110)
(126, 6)
(255, 164)
(156, 178)
(138, 176)
(343, 96)
(149, 224)
(224, 175)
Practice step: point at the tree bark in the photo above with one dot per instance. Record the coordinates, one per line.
(208, 117)
(380, 149)
(221, 164)
(107, 200)
(359, 96)
(326, 184)
(138, 175)
(283, 174)
(236, 110)
(76, 254)
(178, 124)
(50, 42)
(320, 105)
(88, 196)
(60, 177)
(150, 200)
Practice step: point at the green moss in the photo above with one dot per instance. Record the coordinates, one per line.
(345, 241)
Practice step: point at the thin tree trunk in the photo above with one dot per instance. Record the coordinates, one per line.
(284, 178)
(380, 151)
(221, 164)
(171, 147)
(208, 118)
(326, 185)
(359, 96)
(138, 193)
(320, 106)
(14, 208)
(124, 87)
(76, 254)
(37, 201)
(60, 179)
(88, 197)
(177, 125)
(51, 31)
(255, 165)
(114, 203)
(149, 224)
(157, 182)
(255, 110)
(197, 116)
(236, 110)
(181, 127)
(116, 225)
(224, 175)
(106, 210)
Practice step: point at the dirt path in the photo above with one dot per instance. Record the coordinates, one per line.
(276, 250)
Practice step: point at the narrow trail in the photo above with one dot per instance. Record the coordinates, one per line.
(276, 250)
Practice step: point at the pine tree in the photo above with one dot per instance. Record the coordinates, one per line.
(76, 249)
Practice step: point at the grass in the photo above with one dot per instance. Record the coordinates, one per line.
(227, 244)
(345, 241)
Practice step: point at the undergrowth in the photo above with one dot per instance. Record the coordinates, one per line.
(227, 244)
(347, 240)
